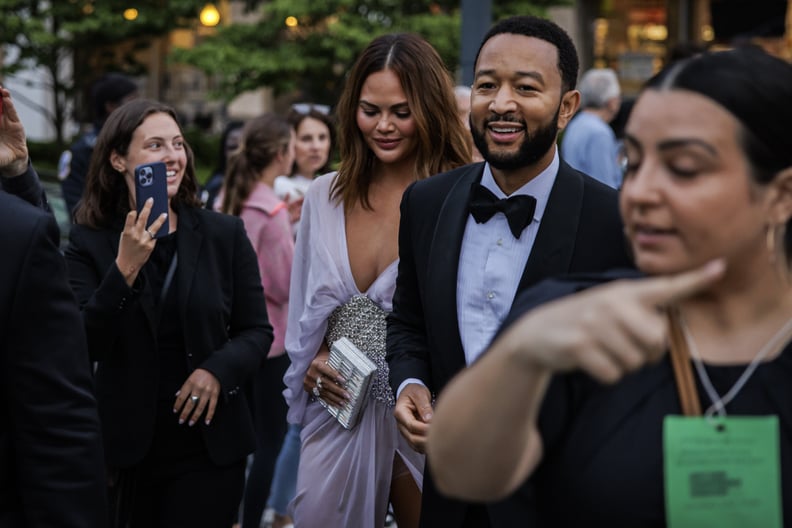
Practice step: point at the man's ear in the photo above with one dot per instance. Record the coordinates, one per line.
(781, 197)
(570, 102)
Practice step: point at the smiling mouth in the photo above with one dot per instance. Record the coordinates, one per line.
(502, 129)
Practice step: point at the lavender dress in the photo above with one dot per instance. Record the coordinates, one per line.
(344, 476)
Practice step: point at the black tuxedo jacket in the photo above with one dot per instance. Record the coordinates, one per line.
(51, 467)
(580, 231)
(224, 323)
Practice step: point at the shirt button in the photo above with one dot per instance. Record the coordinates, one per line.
(490, 295)
(500, 242)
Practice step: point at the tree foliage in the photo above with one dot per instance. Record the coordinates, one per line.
(74, 41)
(311, 59)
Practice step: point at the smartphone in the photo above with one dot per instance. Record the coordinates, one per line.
(151, 181)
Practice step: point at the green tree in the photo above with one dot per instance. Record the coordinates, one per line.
(74, 40)
(311, 58)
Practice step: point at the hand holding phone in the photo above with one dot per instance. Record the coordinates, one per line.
(151, 181)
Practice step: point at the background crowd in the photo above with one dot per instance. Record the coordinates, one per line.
(539, 315)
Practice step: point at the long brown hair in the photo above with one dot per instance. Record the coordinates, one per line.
(263, 138)
(106, 196)
(441, 137)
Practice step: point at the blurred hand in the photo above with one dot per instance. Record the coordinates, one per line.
(607, 331)
(294, 206)
(136, 244)
(13, 146)
(413, 413)
(203, 385)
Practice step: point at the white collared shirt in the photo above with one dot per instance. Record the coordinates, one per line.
(492, 262)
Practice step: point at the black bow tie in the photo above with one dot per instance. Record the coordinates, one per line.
(518, 209)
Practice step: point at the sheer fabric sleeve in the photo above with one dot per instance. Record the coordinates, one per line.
(317, 287)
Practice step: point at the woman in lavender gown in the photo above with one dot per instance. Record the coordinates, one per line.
(397, 123)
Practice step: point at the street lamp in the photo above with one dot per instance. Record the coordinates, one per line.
(209, 16)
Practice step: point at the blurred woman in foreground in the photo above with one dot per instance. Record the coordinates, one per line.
(580, 394)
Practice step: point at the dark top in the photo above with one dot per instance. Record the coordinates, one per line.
(212, 189)
(73, 167)
(603, 460)
(51, 470)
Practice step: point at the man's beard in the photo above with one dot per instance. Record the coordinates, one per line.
(534, 145)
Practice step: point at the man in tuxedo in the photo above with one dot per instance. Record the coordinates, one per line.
(471, 238)
(51, 469)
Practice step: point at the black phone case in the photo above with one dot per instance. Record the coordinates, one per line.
(151, 181)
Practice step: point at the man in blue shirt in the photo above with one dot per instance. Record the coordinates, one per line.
(589, 144)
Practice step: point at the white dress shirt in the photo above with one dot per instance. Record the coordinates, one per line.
(492, 261)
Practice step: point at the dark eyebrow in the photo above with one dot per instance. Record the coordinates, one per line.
(532, 74)
(397, 106)
(687, 142)
(676, 143)
(160, 138)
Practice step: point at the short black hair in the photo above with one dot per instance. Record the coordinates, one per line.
(110, 88)
(541, 28)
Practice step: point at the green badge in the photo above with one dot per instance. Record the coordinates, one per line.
(722, 472)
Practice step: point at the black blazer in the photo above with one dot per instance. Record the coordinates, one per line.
(580, 231)
(51, 467)
(223, 317)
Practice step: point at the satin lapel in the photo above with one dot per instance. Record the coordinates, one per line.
(443, 264)
(552, 251)
(188, 247)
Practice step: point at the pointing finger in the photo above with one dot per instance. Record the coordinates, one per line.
(664, 291)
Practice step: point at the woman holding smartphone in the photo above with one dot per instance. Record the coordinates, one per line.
(176, 326)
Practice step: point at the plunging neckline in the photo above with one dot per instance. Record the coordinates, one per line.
(348, 261)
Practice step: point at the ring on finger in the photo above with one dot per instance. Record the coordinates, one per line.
(150, 234)
(319, 381)
(195, 398)
(315, 391)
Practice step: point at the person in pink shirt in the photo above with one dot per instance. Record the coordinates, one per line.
(266, 152)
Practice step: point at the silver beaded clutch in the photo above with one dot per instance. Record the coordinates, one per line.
(362, 322)
(358, 370)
